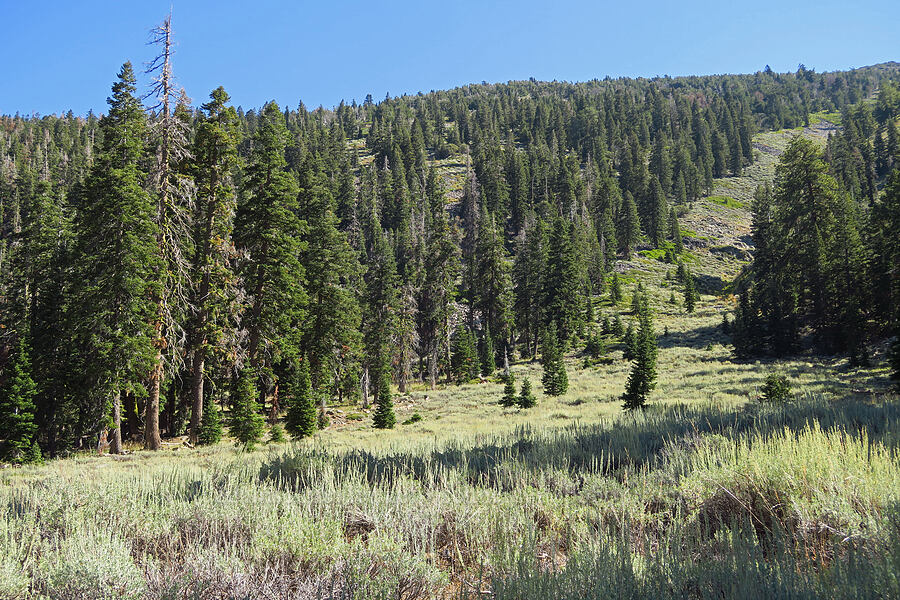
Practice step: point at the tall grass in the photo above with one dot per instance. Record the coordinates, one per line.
(697, 501)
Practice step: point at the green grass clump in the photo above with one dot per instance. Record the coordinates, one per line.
(727, 201)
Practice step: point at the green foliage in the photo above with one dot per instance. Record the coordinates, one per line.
(211, 424)
(509, 398)
(17, 392)
(384, 406)
(276, 434)
(615, 289)
(486, 353)
(555, 379)
(414, 418)
(301, 414)
(642, 378)
(777, 388)
(246, 424)
(464, 362)
(594, 345)
(526, 397)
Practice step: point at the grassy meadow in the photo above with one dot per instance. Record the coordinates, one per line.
(709, 493)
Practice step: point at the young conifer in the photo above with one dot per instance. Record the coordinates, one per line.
(384, 406)
(210, 430)
(301, 415)
(642, 379)
(246, 423)
(509, 392)
(526, 396)
(17, 427)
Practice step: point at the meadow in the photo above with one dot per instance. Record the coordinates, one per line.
(708, 493)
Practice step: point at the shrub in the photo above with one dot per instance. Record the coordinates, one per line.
(776, 389)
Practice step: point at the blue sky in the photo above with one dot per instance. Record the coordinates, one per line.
(65, 55)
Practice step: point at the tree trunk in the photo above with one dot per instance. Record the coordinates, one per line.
(116, 445)
(364, 387)
(197, 397)
(152, 441)
(433, 367)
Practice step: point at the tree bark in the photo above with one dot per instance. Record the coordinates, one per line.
(199, 365)
(152, 440)
(116, 444)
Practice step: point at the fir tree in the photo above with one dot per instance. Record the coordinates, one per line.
(642, 378)
(630, 340)
(526, 397)
(17, 426)
(509, 392)
(112, 308)
(213, 282)
(464, 362)
(210, 430)
(486, 354)
(562, 282)
(615, 289)
(618, 329)
(384, 406)
(246, 424)
(269, 231)
(301, 414)
(554, 379)
(690, 294)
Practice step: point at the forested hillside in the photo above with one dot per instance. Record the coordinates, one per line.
(168, 266)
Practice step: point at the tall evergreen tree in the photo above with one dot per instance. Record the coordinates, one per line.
(213, 282)
(562, 283)
(117, 263)
(269, 231)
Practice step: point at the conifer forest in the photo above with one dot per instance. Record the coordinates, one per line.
(631, 338)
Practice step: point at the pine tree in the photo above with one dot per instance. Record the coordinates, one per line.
(675, 231)
(384, 406)
(246, 423)
(618, 329)
(526, 397)
(464, 362)
(116, 262)
(642, 378)
(213, 282)
(554, 379)
(690, 293)
(17, 392)
(486, 354)
(333, 320)
(301, 413)
(615, 289)
(630, 340)
(562, 282)
(528, 272)
(509, 392)
(210, 430)
(629, 226)
(269, 231)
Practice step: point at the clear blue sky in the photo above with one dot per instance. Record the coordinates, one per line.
(65, 55)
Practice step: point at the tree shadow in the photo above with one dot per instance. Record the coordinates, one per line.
(697, 338)
(508, 461)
